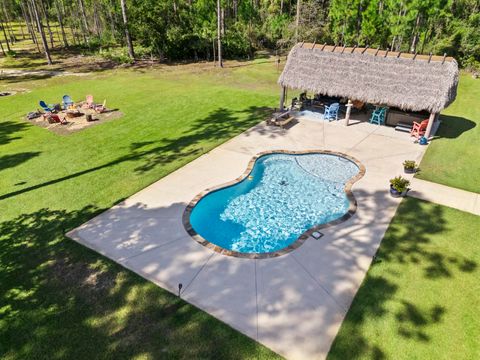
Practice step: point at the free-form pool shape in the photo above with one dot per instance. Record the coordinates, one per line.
(283, 196)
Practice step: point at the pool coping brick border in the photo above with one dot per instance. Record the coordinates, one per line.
(303, 237)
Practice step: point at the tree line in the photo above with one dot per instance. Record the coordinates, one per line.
(213, 29)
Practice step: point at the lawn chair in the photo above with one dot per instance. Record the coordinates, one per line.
(331, 112)
(419, 128)
(88, 104)
(100, 108)
(67, 102)
(54, 118)
(378, 116)
(46, 108)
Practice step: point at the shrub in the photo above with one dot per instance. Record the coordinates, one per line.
(399, 183)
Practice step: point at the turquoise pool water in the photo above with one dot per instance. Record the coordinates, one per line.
(284, 196)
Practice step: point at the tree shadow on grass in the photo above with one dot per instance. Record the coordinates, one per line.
(60, 300)
(9, 161)
(406, 243)
(12, 79)
(8, 131)
(454, 126)
(217, 127)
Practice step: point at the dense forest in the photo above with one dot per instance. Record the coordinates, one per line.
(204, 29)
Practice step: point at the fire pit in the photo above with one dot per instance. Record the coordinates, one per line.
(73, 114)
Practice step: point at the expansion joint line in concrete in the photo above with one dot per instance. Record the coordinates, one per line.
(344, 310)
(256, 300)
(197, 273)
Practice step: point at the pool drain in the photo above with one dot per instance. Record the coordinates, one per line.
(317, 235)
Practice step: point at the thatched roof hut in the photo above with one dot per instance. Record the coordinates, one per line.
(406, 81)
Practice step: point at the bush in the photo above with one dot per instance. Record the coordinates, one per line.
(118, 55)
(399, 183)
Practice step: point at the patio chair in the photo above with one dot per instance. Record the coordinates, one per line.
(67, 101)
(54, 118)
(46, 108)
(331, 112)
(419, 128)
(378, 116)
(88, 104)
(100, 108)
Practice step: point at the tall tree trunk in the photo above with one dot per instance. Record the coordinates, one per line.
(84, 18)
(27, 22)
(45, 15)
(297, 19)
(127, 33)
(5, 36)
(60, 22)
(23, 33)
(11, 34)
(1, 47)
(96, 19)
(33, 25)
(111, 20)
(42, 33)
(413, 48)
(219, 34)
(214, 51)
(82, 21)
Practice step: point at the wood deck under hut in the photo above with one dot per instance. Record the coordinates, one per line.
(408, 82)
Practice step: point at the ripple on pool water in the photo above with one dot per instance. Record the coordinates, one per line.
(287, 195)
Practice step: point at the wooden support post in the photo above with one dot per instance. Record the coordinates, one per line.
(349, 110)
(282, 98)
(431, 120)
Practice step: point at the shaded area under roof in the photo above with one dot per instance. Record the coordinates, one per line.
(405, 81)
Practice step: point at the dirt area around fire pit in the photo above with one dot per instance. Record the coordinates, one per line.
(78, 122)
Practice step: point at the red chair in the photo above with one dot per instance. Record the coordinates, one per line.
(419, 129)
(54, 118)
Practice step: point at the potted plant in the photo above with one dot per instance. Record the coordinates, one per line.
(399, 186)
(410, 166)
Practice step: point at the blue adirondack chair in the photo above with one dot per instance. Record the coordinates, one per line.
(331, 112)
(378, 116)
(67, 101)
(45, 107)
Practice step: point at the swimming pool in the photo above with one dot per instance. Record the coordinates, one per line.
(283, 196)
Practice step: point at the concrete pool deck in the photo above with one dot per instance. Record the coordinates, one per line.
(295, 303)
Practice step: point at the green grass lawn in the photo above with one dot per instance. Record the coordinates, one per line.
(454, 158)
(420, 298)
(60, 300)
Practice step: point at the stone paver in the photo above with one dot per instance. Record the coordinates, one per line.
(445, 195)
(294, 303)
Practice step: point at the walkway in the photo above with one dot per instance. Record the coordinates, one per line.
(445, 195)
(294, 303)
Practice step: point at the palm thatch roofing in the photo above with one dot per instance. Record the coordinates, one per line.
(406, 81)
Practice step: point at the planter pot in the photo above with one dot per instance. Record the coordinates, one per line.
(410, 171)
(396, 194)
